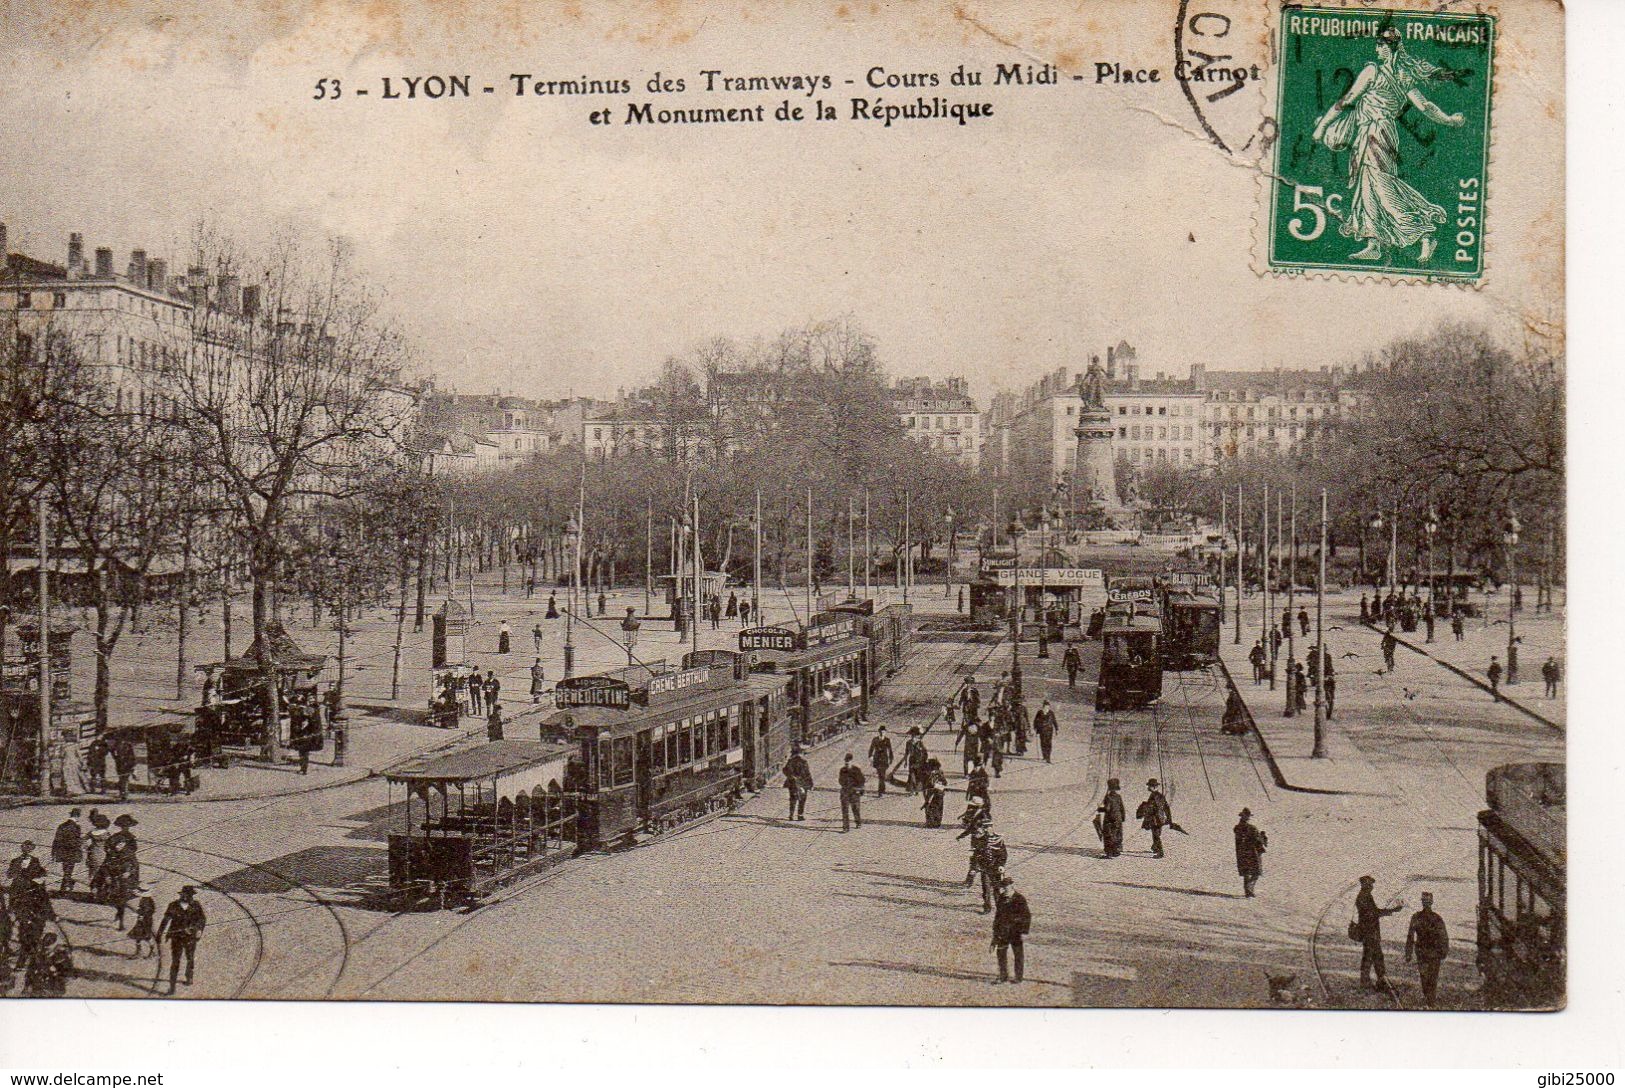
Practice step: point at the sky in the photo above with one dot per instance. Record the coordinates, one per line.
(528, 251)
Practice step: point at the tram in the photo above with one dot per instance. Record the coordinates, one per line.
(1192, 630)
(1130, 657)
(1522, 886)
(888, 630)
(826, 669)
(660, 748)
(474, 820)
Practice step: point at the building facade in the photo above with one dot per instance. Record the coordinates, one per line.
(940, 415)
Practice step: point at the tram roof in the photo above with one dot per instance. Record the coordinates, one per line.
(636, 716)
(491, 760)
(1138, 624)
(795, 659)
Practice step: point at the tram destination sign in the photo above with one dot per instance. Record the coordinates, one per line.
(767, 638)
(593, 691)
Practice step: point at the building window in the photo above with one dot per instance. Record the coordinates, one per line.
(1163, 410)
(1134, 433)
(59, 300)
(1122, 432)
(24, 300)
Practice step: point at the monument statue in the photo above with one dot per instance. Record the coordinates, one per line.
(1095, 471)
(1092, 385)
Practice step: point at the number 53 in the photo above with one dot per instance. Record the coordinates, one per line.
(1298, 227)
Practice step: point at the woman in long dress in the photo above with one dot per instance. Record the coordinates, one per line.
(1382, 209)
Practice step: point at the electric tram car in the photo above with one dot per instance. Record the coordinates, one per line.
(1130, 657)
(825, 668)
(1192, 626)
(1522, 886)
(888, 630)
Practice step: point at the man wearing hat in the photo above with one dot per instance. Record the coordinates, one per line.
(1429, 942)
(880, 757)
(851, 782)
(1368, 926)
(1250, 844)
(25, 865)
(1044, 726)
(1154, 814)
(976, 786)
(67, 848)
(123, 867)
(1111, 817)
(183, 924)
(914, 758)
(799, 781)
(1012, 920)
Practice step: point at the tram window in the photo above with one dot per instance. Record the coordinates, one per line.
(733, 727)
(623, 761)
(700, 747)
(672, 761)
(606, 764)
(685, 744)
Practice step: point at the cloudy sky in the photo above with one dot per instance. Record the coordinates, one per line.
(532, 252)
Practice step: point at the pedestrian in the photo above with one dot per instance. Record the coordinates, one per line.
(976, 785)
(67, 848)
(988, 855)
(1275, 643)
(49, 969)
(960, 607)
(123, 865)
(914, 758)
(732, 611)
(1389, 645)
(1365, 610)
(536, 638)
(1458, 625)
(972, 701)
(306, 730)
(538, 679)
(851, 782)
(1234, 720)
(1250, 845)
(142, 932)
(1429, 942)
(993, 746)
(603, 604)
(1428, 619)
(96, 854)
(1073, 661)
(950, 711)
(1258, 655)
(32, 910)
(504, 637)
(880, 757)
(936, 791)
(530, 586)
(1329, 690)
(1020, 726)
(1367, 929)
(96, 762)
(1494, 673)
(25, 866)
(1012, 921)
(493, 691)
(476, 694)
(971, 734)
(1109, 819)
(744, 612)
(1300, 688)
(1551, 672)
(1303, 621)
(183, 924)
(799, 781)
(1044, 725)
(123, 762)
(1154, 814)
(552, 607)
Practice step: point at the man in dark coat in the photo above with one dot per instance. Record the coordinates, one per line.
(1044, 725)
(1257, 656)
(31, 907)
(880, 757)
(1368, 924)
(851, 782)
(1012, 920)
(1551, 673)
(67, 848)
(25, 865)
(1250, 844)
(1303, 621)
(493, 691)
(1154, 814)
(1494, 673)
(976, 785)
(1073, 661)
(1389, 644)
(1019, 725)
(914, 758)
(1429, 942)
(1111, 816)
(124, 763)
(183, 923)
(935, 785)
(799, 781)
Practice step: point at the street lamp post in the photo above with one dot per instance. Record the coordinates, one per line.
(572, 546)
(629, 627)
(1016, 531)
(1430, 527)
(948, 577)
(1510, 539)
(1043, 584)
(1377, 526)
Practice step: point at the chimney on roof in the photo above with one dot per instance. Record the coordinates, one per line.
(104, 263)
(227, 293)
(1111, 361)
(251, 300)
(158, 274)
(76, 254)
(136, 273)
(1199, 377)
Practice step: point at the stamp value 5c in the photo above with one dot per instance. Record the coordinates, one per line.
(1384, 142)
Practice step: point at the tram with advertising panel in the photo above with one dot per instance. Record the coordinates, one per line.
(991, 596)
(1191, 619)
(660, 748)
(1131, 645)
(1522, 886)
(825, 666)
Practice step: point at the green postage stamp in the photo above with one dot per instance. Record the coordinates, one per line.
(1383, 152)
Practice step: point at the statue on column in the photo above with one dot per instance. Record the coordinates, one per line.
(1092, 386)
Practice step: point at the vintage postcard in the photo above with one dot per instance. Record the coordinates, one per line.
(980, 504)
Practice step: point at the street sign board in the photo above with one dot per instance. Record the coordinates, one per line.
(1056, 577)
